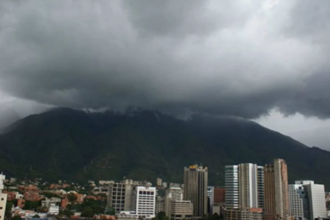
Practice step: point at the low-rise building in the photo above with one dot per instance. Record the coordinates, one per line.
(181, 209)
(244, 214)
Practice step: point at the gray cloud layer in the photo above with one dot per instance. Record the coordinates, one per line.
(221, 57)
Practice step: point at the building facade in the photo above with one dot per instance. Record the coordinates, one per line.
(231, 186)
(244, 186)
(210, 198)
(219, 195)
(144, 201)
(172, 194)
(298, 202)
(3, 198)
(120, 195)
(181, 209)
(195, 188)
(160, 204)
(316, 197)
(243, 214)
(276, 190)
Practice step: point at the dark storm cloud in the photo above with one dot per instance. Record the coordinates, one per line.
(219, 57)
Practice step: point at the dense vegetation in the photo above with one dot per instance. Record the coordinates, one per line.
(70, 144)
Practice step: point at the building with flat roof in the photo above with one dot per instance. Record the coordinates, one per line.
(299, 206)
(276, 190)
(195, 188)
(144, 201)
(181, 209)
(243, 214)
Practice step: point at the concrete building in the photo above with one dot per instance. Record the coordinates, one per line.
(3, 198)
(243, 214)
(50, 201)
(249, 186)
(210, 198)
(120, 195)
(160, 204)
(159, 182)
(261, 187)
(219, 195)
(298, 202)
(244, 186)
(54, 209)
(195, 188)
(276, 190)
(181, 209)
(144, 201)
(172, 194)
(231, 186)
(316, 198)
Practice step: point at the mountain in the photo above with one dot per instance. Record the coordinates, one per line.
(140, 144)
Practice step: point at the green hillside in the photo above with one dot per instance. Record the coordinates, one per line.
(70, 144)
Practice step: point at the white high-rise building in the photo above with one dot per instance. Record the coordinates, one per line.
(144, 201)
(316, 198)
(3, 198)
(298, 202)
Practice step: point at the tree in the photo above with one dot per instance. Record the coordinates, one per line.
(110, 211)
(72, 197)
(87, 212)
(8, 209)
(17, 217)
(36, 216)
(68, 212)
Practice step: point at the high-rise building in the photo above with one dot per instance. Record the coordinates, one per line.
(231, 186)
(316, 199)
(248, 186)
(244, 186)
(261, 187)
(210, 198)
(276, 190)
(144, 201)
(172, 194)
(120, 195)
(195, 188)
(299, 206)
(3, 198)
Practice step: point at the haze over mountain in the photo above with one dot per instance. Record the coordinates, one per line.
(7, 117)
(140, 144)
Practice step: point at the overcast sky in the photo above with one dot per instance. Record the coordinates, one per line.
(264, 60)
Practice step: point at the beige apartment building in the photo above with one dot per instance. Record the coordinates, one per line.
(181, 209)
(276, 191)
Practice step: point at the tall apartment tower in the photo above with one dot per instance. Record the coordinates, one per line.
(244, 186)
(231, 186)
(276, 190)
(195, 188)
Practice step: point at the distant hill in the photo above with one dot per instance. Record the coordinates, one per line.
(69, 144)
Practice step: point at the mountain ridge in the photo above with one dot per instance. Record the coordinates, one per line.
(71, 144)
